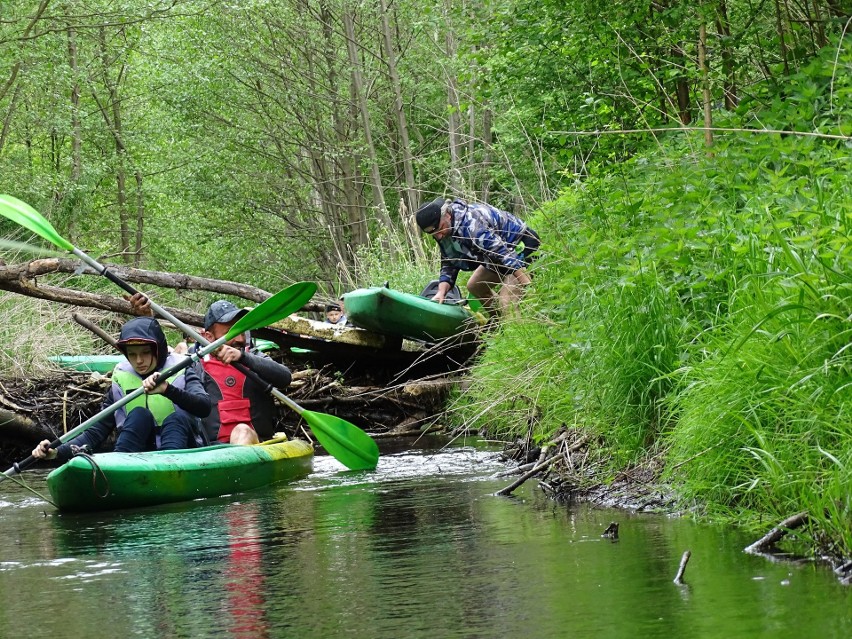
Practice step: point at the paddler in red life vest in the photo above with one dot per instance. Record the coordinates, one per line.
(243, 412)
(160, 419)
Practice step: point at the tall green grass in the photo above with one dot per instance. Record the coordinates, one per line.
(699, 308)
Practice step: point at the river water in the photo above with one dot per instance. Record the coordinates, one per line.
(420, 548)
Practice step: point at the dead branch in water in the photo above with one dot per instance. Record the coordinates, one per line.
(541, 465)
(765, 543)
(682, 568)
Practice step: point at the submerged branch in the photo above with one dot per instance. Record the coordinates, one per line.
(766, 542)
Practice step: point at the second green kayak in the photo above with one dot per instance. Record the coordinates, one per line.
(384, 310)
(110, 481)
(87, 363)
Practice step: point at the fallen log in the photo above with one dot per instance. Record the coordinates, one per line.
(21, 429)
(508, 490)
(21, 278)
(766, 543)
(97, 330)
(544, 464)
(178, 281)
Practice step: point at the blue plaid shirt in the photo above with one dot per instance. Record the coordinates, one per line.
(480, 236)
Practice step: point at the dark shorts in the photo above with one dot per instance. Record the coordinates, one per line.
(531, 243)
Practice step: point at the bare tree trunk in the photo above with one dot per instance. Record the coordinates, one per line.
(140, 219)
(354, 232)
(76, 136)
(13, 73)
(7, 121)
(358, 84)
(488, 153)
(682, 86)
(821, 40)
(113, 122)
(705, 81)
(76, 133)
(779, 23)
(406, 212)
(723, 26)
(354, 195)
(454, 118)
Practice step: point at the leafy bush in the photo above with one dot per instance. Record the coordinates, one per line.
(701, 306)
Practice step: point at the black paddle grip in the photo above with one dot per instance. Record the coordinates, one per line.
(115, 279)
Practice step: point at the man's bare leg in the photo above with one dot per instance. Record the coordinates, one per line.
(481, 285)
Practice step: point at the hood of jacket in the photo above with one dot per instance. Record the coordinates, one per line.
(148, 331)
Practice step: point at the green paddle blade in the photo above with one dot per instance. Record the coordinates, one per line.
(23, 247)
(347, 443)
(25, 215)
(277, 307)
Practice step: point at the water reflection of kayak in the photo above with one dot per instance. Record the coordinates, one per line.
(127, 480)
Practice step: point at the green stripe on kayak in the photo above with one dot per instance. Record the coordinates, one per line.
(86, 363)
(131, 480)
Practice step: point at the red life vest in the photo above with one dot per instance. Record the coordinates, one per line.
(234, 408)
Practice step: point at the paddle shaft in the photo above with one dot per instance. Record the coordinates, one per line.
(188, 330)
(109, 410)
(329, 437)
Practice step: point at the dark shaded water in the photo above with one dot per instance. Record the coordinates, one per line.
(418, 548)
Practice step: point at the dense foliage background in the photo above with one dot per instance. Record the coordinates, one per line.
(685, 163)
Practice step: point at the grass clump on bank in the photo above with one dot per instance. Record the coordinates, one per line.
(33, 330)
(700, 309)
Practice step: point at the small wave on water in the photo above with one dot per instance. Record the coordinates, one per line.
(473, 462)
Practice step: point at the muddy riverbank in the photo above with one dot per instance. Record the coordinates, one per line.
(570, 470)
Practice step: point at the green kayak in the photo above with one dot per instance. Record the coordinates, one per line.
(384, 310)
(110, 481)
(86, 363)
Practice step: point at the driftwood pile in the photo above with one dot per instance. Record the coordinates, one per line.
(386, 386)
(32, 410)
(568, 470)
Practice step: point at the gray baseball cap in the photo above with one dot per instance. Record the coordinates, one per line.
(222, 312)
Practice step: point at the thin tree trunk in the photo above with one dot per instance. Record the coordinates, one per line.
(820, 28)
(488, 153)
(454, 119)
(364, 111)
(406, 212)
(354, 193)
(779, 24)
(354, 231)
(723, 26)
(113, 122)
(13, 73)
(140, 219)
(682, 86)
(76, 134)
(705, 82)
(7, 121)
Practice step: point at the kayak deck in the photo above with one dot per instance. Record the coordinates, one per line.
(384, 310)
(129, 480)
(87, 363)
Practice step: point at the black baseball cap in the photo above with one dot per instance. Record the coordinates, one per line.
(222, 312)
(429, 215)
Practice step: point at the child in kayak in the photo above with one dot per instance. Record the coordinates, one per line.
(162, 418)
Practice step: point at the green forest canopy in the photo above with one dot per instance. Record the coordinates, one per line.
(285, 136)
